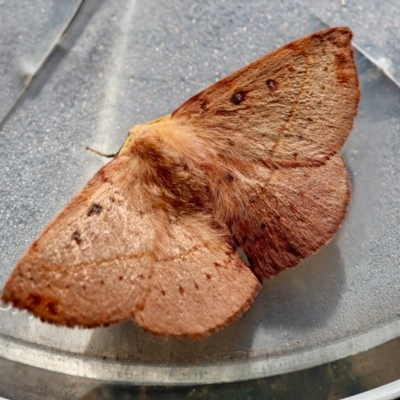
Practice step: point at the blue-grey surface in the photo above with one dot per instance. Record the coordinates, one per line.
(29, 31)
(125, 62)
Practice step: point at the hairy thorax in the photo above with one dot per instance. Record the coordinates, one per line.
(164, 161)
(190, 174)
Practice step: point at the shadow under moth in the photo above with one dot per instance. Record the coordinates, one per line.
(251, 162)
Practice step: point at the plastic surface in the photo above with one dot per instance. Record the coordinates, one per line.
(126, 62)
(29, 32)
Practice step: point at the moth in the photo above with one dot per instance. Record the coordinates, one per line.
(251, 162)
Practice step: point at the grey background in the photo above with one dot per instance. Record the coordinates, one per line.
(125, 62)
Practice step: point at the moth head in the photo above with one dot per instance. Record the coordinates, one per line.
(138, 131)
(133, 134)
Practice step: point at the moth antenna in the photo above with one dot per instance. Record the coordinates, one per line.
(101, 153)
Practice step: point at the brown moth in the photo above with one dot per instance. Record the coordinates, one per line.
(250, 162)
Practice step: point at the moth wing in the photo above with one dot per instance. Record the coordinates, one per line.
(273, 128)
(294, 106)
(205, 287)
(112, 254)
(291, 214)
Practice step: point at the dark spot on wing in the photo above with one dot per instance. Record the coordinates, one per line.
(181, 290)
(95, 208)
(102, 174)
(229, 176)
(253, 199)
(77, 237)
(272, 84)
(238, 97)
(203, 105)
(52, 307)
(262, 225)
(34, 300)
